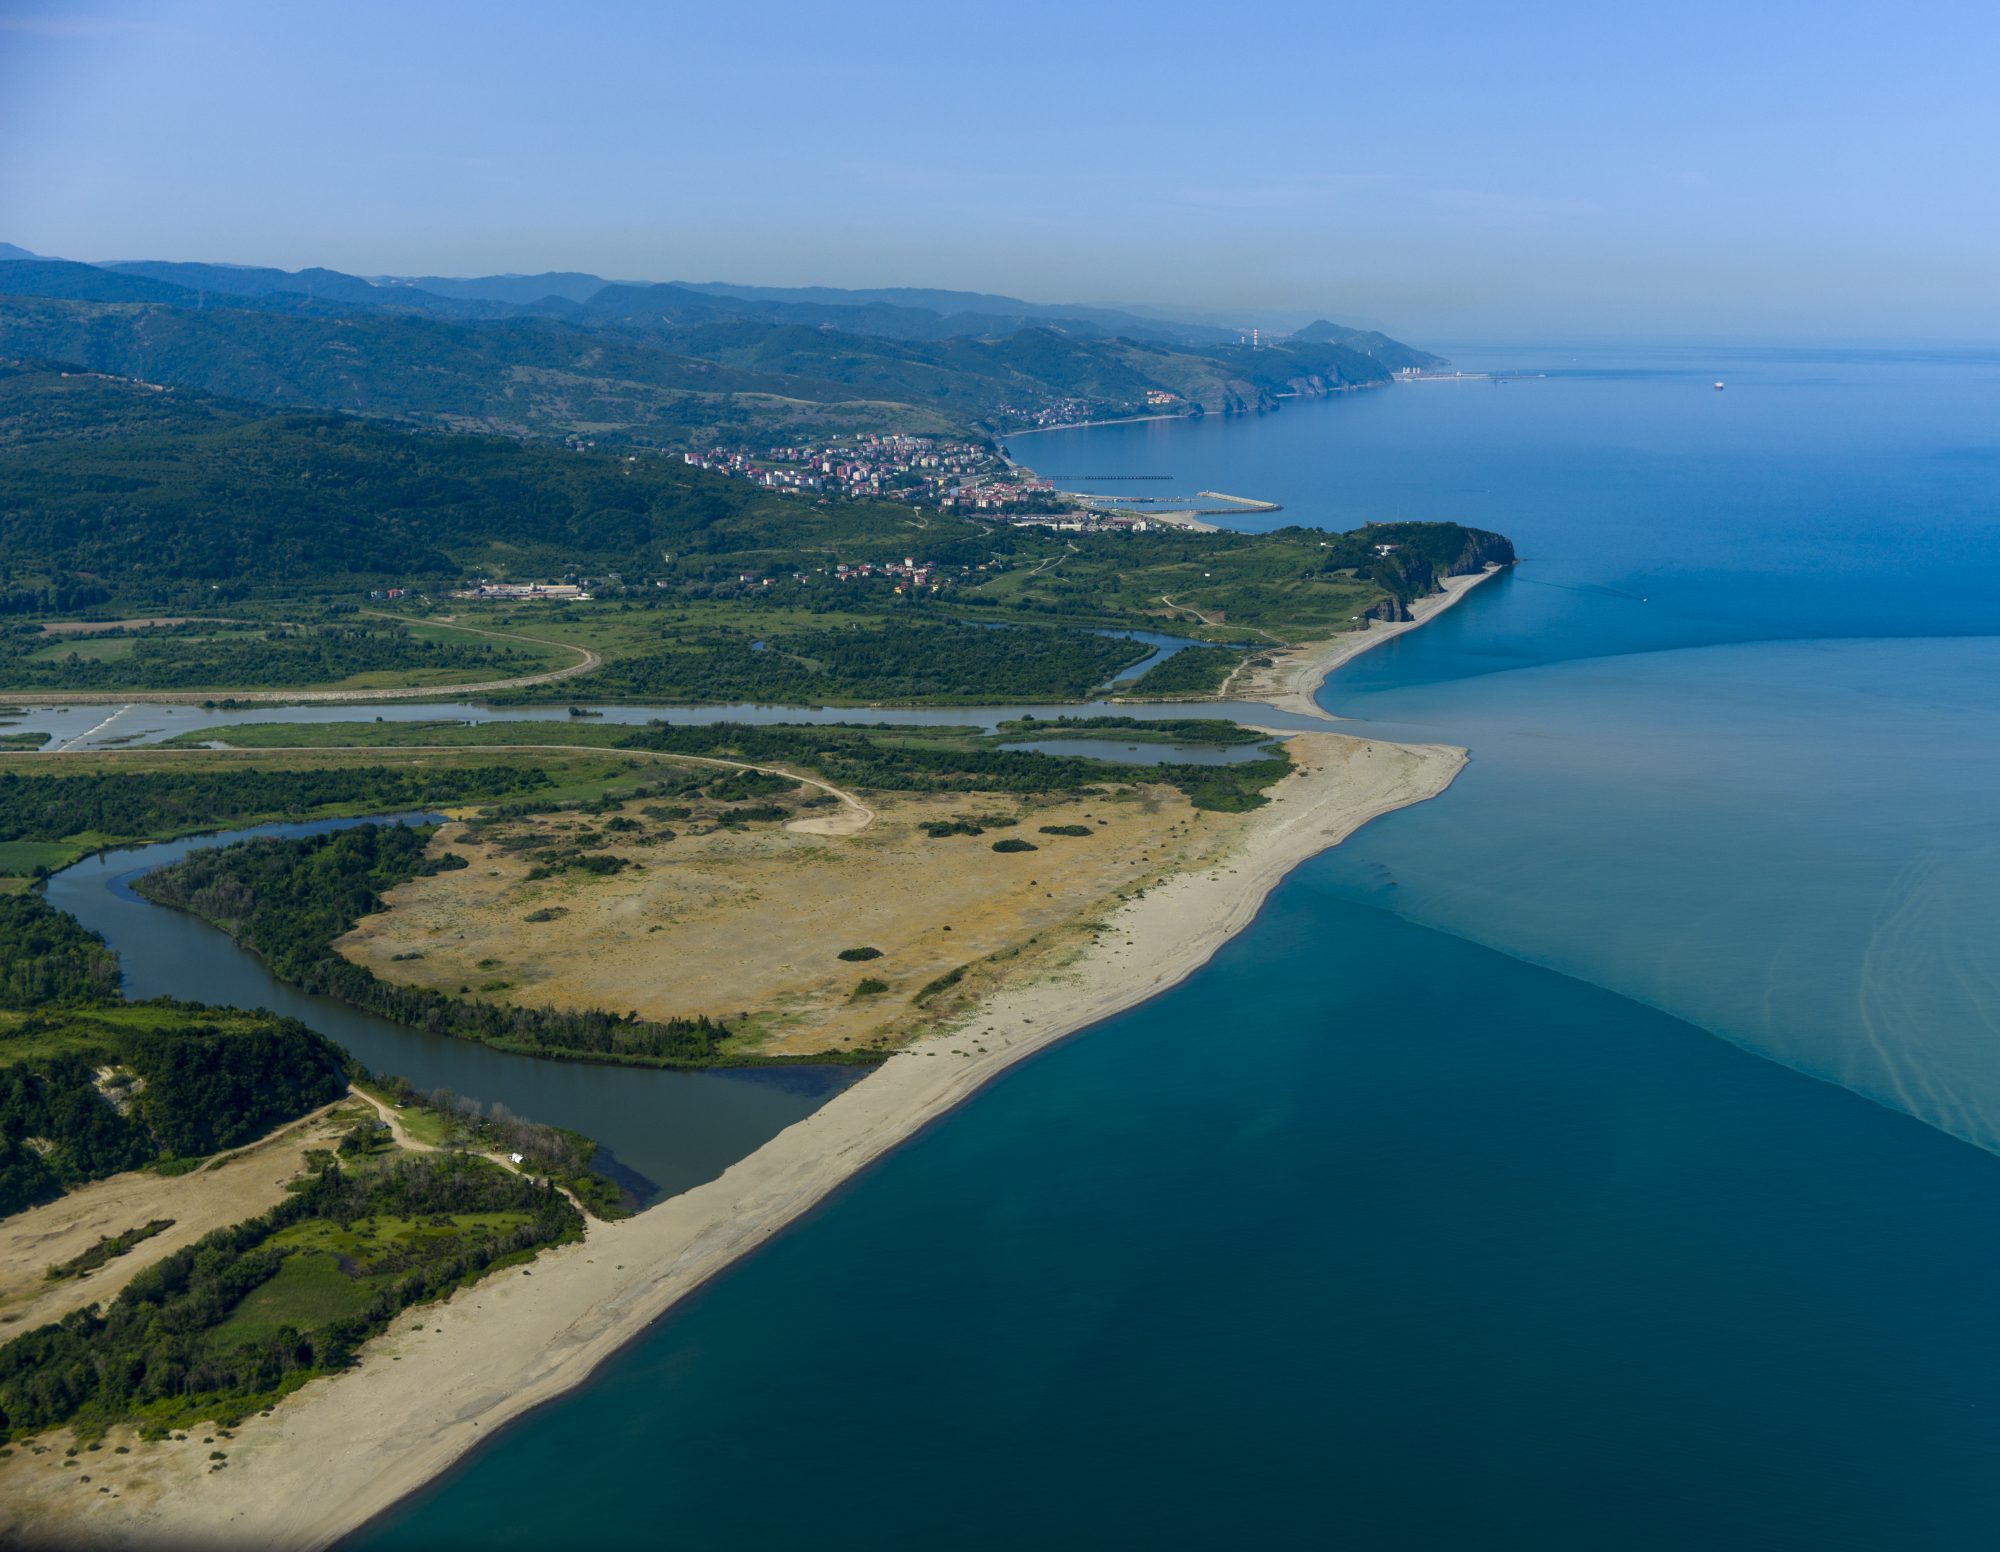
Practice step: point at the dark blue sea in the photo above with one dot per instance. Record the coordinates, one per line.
(1601, 1156)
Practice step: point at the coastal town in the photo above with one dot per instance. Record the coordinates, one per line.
(952, 476)
(917, 469)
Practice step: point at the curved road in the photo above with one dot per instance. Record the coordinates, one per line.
(587, 660)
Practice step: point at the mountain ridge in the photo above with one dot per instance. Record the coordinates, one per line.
(668, 364)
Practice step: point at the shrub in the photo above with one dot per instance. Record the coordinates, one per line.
(860, 953)
(1066, 829)
(870, 987)
(1015, 843)
(944, 982)
(758, 812)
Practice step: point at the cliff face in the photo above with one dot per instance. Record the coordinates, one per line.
(1410, 560)
(1483, 548)
(1407, 575)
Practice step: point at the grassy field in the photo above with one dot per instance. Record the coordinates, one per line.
(424, 1125)
(333, 1270)
(747, 921)
(309, 1291)
(92, 649)
(1227, 587)
(582, 732)
(22, 858)
(35, 1037)
(685, 643)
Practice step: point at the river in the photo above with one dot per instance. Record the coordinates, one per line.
(664, 1131)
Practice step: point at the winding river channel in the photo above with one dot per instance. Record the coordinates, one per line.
(665, 1131)
(661, 1132)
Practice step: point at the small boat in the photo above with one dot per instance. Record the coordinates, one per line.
(1718, 385)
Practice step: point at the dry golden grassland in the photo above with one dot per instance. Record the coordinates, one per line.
(730, 920)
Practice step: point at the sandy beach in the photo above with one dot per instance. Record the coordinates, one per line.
(345, 1449)
(1296, 675)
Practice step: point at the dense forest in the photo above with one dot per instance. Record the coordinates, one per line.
(184, 1082)
(131, 805)
(50, 960)
(111, 494)
(1191, 671)
(243, 657)
(288, 901)
(934, 663)
(251, 1311)
(215, 505)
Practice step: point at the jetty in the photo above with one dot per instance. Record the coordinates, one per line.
(1240, 503)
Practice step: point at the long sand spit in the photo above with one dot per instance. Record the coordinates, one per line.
(345, 1449)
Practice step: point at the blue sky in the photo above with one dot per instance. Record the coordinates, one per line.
(1448, 171)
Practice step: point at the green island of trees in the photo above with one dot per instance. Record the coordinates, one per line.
(109, 1247)
(1190, 671)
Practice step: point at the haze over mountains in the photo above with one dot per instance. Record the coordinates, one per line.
(672, 363)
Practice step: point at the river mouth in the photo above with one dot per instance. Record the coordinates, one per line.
(664, 1132)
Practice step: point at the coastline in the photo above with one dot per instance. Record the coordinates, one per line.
(1297, 673)
(1084, 425)
(347, 1448)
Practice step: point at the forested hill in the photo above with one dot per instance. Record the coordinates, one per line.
(670, 364)
(117, 487)
(116, 495)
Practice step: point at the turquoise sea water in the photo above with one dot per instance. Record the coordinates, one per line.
(1450, 1206)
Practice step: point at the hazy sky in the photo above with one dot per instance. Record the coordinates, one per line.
(1448, 171)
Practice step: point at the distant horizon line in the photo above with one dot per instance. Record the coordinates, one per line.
(1586, 338)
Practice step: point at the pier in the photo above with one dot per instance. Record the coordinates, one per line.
(1240, 503)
